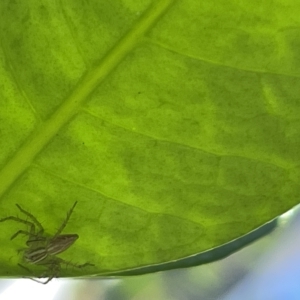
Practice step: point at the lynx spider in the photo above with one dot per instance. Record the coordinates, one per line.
(41, 249)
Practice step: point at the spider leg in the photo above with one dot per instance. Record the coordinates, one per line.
(32, 227)
(68, 263)
(24, 268)
(56, 261)
(54, 266)
(35, 221)
(40, 281)
(21, 232)
(53, 275)
(63, 225)
(54, 269)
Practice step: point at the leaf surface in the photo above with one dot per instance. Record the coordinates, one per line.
(174, 124)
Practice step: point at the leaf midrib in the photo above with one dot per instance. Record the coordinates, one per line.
(41, 137)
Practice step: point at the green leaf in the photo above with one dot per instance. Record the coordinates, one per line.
(174, 124)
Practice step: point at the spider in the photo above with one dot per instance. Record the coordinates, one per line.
(41, 249)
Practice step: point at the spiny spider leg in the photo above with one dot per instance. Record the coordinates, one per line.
(63, 225)
(55, 273)
(68, 263)
(56, 261)
(21, 232)
(54, 267)
(43, 282)
(35, 221)
(32, 227)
